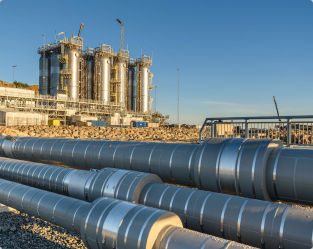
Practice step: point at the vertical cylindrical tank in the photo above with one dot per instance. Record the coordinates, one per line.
(44, 75)
(55, 73)
(89, 76)
(144, 84)
(73, 65)
(105, 76)
(132, 88)
(121, 86)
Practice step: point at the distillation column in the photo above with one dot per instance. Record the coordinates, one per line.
(143, 88)
(89, 77)
(103, 70)
(44, 74)
(56, 68)
(72, 83)
(132, 89)
(121, 67)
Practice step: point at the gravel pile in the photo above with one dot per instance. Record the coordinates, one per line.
(163, 134)
(18, 230)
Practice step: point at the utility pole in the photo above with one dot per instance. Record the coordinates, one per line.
(155, 99)
(178, 99)
(44, 88)
(14, 73)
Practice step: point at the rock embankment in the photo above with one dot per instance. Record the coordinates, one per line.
(20, 231)
(164, 134)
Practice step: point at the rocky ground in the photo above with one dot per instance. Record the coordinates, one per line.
(18, 230)
(185, 135)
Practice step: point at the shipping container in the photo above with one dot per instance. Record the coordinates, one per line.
(98, 123)
(54, 122)
(140, 124)
(153, 125)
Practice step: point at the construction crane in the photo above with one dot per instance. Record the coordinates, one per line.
(276, 108)
(122, 34)
(80, 29)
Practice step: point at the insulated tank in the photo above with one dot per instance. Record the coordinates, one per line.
(121, 86)
(144, 84)
(73, 65)
(44, 86)
(132, 89)
(105, 76)
(89, 75)
(56, 67)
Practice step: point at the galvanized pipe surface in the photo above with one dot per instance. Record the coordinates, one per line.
(105, 223)
(289, 175)
(252, 222)
(176, 237)
(234, 166)
(84, 185)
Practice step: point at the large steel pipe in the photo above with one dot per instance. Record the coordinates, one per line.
(253, 222)
(233, 166)
(108, 223)
(84, 185)
(289, 175)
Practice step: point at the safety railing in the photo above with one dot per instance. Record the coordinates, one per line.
(291, 130)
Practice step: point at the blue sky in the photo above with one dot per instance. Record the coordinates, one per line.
(233, 55)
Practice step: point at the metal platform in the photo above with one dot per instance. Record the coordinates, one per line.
(61, 108)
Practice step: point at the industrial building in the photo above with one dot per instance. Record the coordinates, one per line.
(98, 74)
(95, 83)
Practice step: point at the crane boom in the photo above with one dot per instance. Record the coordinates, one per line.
(276, 108)
(80, 29)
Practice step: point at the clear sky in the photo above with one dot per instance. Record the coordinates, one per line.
(233, 55)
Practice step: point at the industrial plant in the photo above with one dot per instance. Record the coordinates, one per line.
(98, 74)
(95, 84)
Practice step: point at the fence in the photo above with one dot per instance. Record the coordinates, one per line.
(292, 130)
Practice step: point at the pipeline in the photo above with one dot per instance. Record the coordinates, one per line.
(248, 221)
(109, 223)
(253, 168)
(233, 166)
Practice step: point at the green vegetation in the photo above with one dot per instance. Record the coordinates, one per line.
(20, 84)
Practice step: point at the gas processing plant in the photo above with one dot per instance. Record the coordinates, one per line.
(95, 74)
(80, 85)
